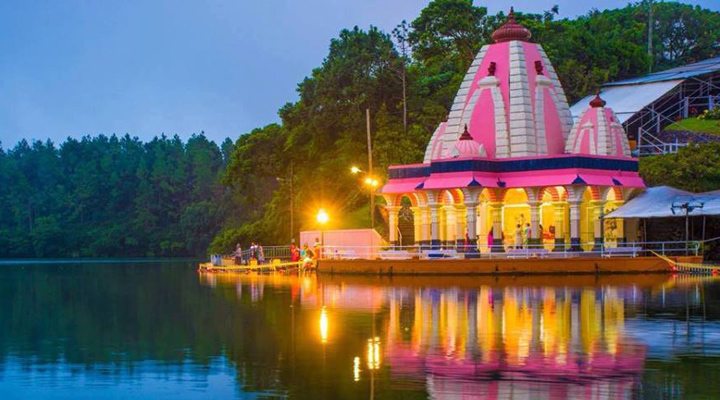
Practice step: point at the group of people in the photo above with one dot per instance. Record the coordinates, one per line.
(521, 238)
(255, 253)
(306, 253)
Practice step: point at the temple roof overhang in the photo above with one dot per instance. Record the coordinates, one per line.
(560, 170)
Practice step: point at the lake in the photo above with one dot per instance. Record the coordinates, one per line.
(142, 329)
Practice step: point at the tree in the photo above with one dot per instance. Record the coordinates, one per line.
(695, 168)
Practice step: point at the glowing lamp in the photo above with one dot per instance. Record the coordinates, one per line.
(322, 216)
(355, 170)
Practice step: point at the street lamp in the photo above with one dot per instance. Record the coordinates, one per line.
(373, 184)
(322, 218)
(292, 201)
(687, 206)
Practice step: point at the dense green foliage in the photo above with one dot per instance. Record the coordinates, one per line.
(110, 196)
(117, 196)
(695, 124)
(695, 168)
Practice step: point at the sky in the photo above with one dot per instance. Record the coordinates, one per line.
(72, 68)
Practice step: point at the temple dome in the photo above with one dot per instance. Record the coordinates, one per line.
(511, 30)
(510, 99)
(467, 147)
(598, 132)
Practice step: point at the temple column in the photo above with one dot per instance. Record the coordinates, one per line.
(434, 225)
(417, 223)
(470, 221)
(575, 225)
(496, 217)
(450, 227)
(425, 225)
(559, 216)
(460, 225)
(393, 223)
(598, 209)
(534, 238)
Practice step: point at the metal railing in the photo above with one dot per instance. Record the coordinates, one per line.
(459, 251)
(587, 249)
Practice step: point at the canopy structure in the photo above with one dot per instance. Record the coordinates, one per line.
(645, 105)
(666, 201)
(628, 99)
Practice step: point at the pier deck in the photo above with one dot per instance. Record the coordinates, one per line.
(503, 266)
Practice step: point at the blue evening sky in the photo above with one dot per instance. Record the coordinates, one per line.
(146, 67)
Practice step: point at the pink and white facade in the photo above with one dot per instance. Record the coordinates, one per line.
(509, 154)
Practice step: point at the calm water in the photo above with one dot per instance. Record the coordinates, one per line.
(151, 330)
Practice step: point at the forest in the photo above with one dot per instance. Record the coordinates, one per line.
(116, 196)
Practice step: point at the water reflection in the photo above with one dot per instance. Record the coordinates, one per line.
(165, 330)
(492, 340)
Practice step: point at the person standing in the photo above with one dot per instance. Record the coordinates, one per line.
(490, 239)
(317, 249)
(518, 237)
(527, 234)
(238, 254)
(261, 254)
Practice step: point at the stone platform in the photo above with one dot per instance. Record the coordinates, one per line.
(499, 266)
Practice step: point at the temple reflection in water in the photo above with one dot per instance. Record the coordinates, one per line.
(496, 342)
(488, 341)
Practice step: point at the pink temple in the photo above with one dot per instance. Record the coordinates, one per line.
(510, 127)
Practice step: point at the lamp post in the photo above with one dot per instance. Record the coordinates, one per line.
(292, 201)
(688, 207)
(371, 183)
(322, 218)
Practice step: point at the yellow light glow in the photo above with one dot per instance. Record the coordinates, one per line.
(322, 216)
(372, 182)
(373, 353)
(323, 325)
(356, 369)
(355, 170)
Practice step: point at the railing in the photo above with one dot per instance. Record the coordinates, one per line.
(676, 105)
(458, 251)
(588, 249)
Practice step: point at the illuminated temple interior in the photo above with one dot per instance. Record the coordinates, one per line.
(510, 154)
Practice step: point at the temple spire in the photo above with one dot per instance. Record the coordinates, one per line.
(597, 101)
(511, 30)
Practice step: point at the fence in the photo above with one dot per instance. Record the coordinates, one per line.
(457, 251)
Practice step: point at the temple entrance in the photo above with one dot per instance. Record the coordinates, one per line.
(515, 218)
(553, 217)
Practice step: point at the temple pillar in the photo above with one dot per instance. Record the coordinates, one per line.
(450, 225)
(534, 238)
(559, 217)
(434, 225)
(393, 224)
(417, 223)
(470, 221)
(598, 210)
(496, 217)
(425, 225)
(460, 225)
(575, 225)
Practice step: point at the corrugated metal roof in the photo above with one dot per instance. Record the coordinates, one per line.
(657, 202)
(627, 100)
(683, 72)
